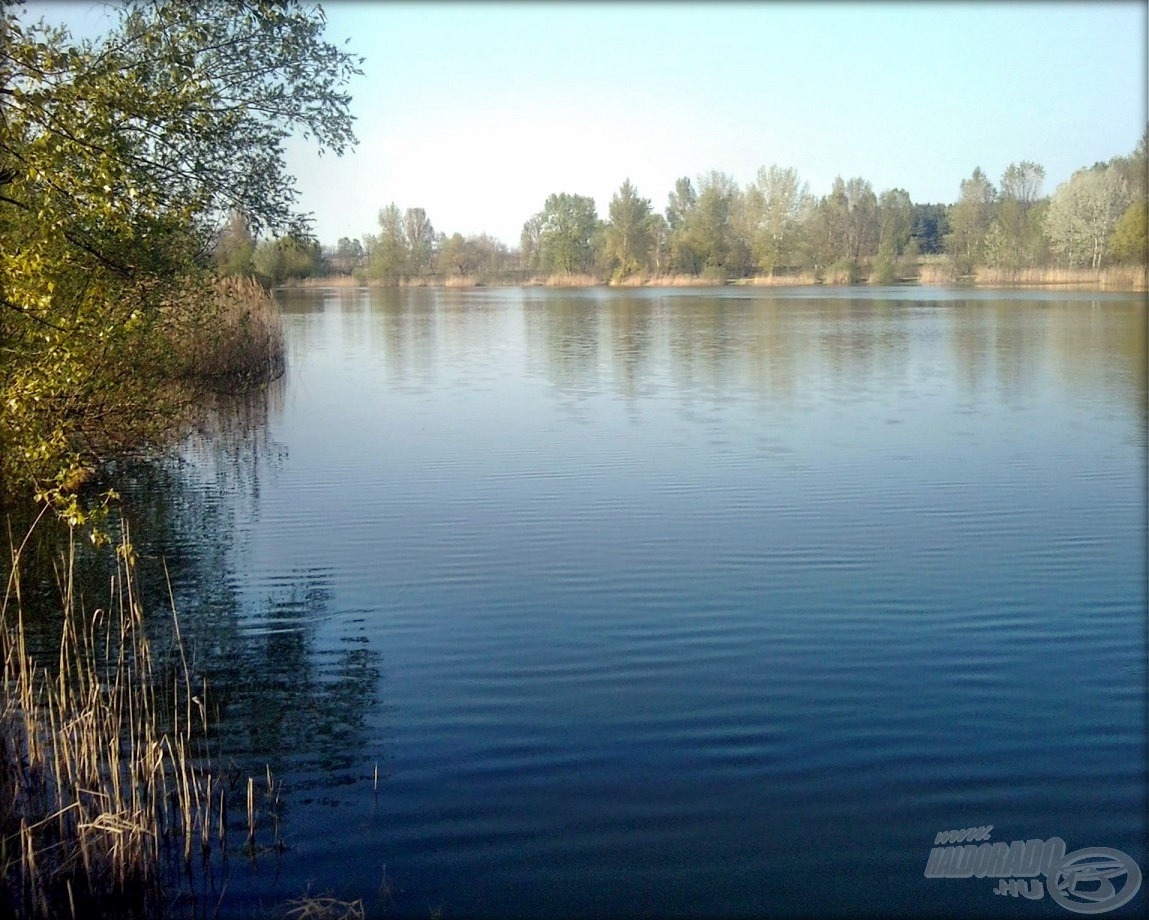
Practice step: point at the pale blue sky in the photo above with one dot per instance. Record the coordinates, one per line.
(477, 111)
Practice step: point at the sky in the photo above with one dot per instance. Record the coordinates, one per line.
(476, 112)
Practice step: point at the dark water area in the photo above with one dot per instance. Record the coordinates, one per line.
(673, 602)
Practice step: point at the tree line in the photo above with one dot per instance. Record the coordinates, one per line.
(714, 229)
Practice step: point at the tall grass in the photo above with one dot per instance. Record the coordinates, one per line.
(237, 338)
(684, 281)
(109, 805)
(325, 281)
(936, 269)
(571, 279)
(1113, 277)
(783, 280)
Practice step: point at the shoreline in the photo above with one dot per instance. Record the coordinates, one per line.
(1126, 280)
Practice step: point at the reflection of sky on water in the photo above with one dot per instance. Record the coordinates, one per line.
(685, 583)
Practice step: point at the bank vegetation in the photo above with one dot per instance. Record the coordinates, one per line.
(111, 803)
(122, 158)
(1091, 231)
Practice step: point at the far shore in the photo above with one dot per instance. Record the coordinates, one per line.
(1123, 278)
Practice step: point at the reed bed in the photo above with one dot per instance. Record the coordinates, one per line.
(1113, 277)
(684, 281)
(325, 281)
(935, 273)
(237, 338)
(795, 280)
(570, 279)
(109, 805)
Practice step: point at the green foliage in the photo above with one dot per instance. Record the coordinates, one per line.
(842, 227)
(420, 242)
(885, 266)
(119, 158)
(1015, 238)
(567, 229)
(843, 271)
(1130, 241)
(349, 256)
(680, 208)
(929, 226)
(234, 248)
(286, 258)
(776, 204)
(477, 257)
(627, 237)
(707, 233)
(387, 252)
(1084, 213)
(530, 245)
(969, 221)
(895, 218)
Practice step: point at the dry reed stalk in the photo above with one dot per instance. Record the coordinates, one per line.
(323, 907)
(251, 814)
(796, 280)
(683, 281)
(324, 281)
(935, 273)
(570, 279)
(236, 336)
(105, 790)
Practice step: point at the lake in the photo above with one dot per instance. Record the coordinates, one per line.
(709, 603)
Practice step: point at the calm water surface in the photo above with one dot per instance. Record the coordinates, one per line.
(678, 603)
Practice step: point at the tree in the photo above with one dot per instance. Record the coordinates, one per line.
(929, 227)
(706, 238)
(530, 241)
(969, 221)
(419, 242)
(1130, 241)
(235, 246)
(1135, 168)
(680, 203)
(455, 256)
(387, 252)
(851, 211)
(1083, 215)
(680, 206)
(776, 202)
(279, 260)
(1014, 239)
(568, 227)
(659, 244)
(627, 234)
(895, 220)
(492, 258)
(119, 158)
(349, 256)
(895, 246)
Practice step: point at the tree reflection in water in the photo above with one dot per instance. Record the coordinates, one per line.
(290, 684)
